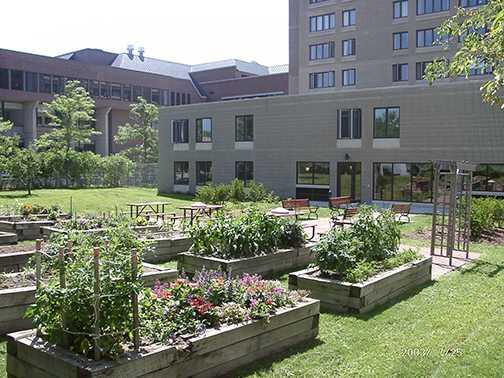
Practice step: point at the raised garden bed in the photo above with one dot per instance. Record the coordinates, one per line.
(49, 230)
(360, 298)
(216, 353)
(25, 229)
(266, 266)
(8, 238)
(15, 301)
(14, 262)
(166, 248)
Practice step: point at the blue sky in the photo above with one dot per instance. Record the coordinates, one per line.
(187, 31)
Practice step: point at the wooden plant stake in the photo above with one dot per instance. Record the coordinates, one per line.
(38, 268)
(96, 260)
(62, 281)
(134, 301)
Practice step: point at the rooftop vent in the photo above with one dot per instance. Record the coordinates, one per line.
(130, 50)
(141, 52)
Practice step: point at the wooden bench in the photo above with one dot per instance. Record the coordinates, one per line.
(347, 218)
(301, 207)
(313, 227)
(336, 204)
(403, 210)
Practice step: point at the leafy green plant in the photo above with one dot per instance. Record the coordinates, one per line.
(368, 247)
(75, 302)
(235, 191)
(254, 233)
(486, 215)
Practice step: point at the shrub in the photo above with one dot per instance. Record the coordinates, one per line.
(235, 192)
(115, 168)
(368, 247)
(486, 215)
(254, 233)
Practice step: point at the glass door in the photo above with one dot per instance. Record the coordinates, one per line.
(349, 180)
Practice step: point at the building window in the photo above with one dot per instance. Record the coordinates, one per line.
(429, 38)
(349, 17)
(348, 47)
(183, 98)
(178, 98)
(349, 77)
(400, 72)
(489, 178)
(322, 51)
(407, 182)
(126, 93)
(45, 83)
(387, 122)
(180, 131)
(94, 88)
(84, 83)
(31, 81)
(204, 130)
(400, 9)
(189, 98)
(432, 6)
(349, 124)
(156, 96)
(322, 22)
(172, 98)
(401, 40)
(420, 69)
(316, 1)
(115, 91)
(104, 90)
(166, 97)
(57, 85)
(181, 170)
(17, 80)
(480, 70)
(203, 173)
(4, 78)
(244, 128)
(472, 3)
(244, 171)
(322, 80)
(313, 173)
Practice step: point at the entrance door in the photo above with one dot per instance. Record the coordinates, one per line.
(349, 180)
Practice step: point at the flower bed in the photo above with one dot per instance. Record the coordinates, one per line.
(363, 266)
(206, 327)
(254, 243)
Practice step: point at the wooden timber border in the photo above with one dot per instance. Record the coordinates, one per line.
(344, 297)
(216, 353)
(267, 266)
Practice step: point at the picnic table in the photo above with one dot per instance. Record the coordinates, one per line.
(142, 208)
(199, 210)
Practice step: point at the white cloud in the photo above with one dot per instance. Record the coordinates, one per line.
(186, 31)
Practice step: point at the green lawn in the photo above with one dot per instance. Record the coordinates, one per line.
(93, 200)
(449, 328)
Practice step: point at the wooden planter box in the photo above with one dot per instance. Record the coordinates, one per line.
(25, 230)
(360, 298)
(166, 249)
(216, 353)
(8, 238)
(15, 302)
(14, 262)
(266, 266)
(17, 218)
(48, 231)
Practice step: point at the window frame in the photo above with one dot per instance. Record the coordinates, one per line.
(352, 126)
(343, 81)
(387, 110)
(397, 76)
(244, 137)
(401, 34)
(349, 12)
(208, 174)
(313, 164)
(185, 126)
(353, 48)
(401, 9)
(185, 180)
(245, 181)
(199, 133)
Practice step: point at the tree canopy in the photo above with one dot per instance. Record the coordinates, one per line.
(71, 115)
(140, 137)
(479, 33)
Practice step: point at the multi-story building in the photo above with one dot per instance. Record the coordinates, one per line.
(116, 80)
(359, 119)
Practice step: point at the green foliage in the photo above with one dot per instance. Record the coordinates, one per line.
(140, 137)
(24, 165)
(9, 144)
(486, 215)
(71, 115)
(173, 312)
(235, 191)
(253, 234)
(370, 245)
(114, 169)
(76, 301)
(482, 30)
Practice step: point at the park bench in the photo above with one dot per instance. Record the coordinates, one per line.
(336, 204)
(301, 207)
(347, 218)
(403, 210)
